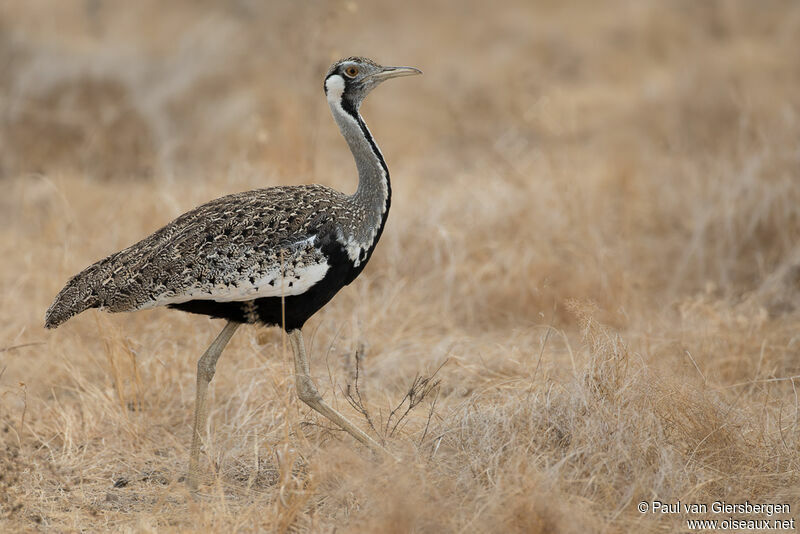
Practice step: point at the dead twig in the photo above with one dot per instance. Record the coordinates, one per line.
(354, 397)
(420, 388)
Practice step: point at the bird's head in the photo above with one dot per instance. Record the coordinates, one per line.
(350, 80)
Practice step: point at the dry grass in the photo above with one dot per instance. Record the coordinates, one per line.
(596, 223)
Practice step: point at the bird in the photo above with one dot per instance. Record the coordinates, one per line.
(271, 256)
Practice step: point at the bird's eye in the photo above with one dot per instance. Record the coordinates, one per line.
(351, 71)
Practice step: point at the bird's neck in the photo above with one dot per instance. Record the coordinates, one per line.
(372, 198)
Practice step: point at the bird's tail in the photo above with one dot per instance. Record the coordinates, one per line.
(78, 295)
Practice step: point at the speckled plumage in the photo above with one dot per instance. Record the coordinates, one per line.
(218, 248)
(240, 256)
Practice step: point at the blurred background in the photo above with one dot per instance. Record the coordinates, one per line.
(640, 156)
(662, 134)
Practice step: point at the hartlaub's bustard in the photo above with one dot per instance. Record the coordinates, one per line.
(273, 256)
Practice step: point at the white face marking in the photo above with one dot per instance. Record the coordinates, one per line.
(334, 87)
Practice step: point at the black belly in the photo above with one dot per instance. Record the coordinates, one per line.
(290, 312)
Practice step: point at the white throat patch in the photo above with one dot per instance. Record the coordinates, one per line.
(334, 87)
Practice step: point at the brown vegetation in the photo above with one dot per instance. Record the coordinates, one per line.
(595, 224)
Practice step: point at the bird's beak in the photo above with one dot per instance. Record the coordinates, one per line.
(394, 72)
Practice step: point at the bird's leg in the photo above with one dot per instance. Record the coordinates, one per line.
(206, 366)
(308, 393)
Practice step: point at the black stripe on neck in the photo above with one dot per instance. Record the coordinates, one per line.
(351, 110)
